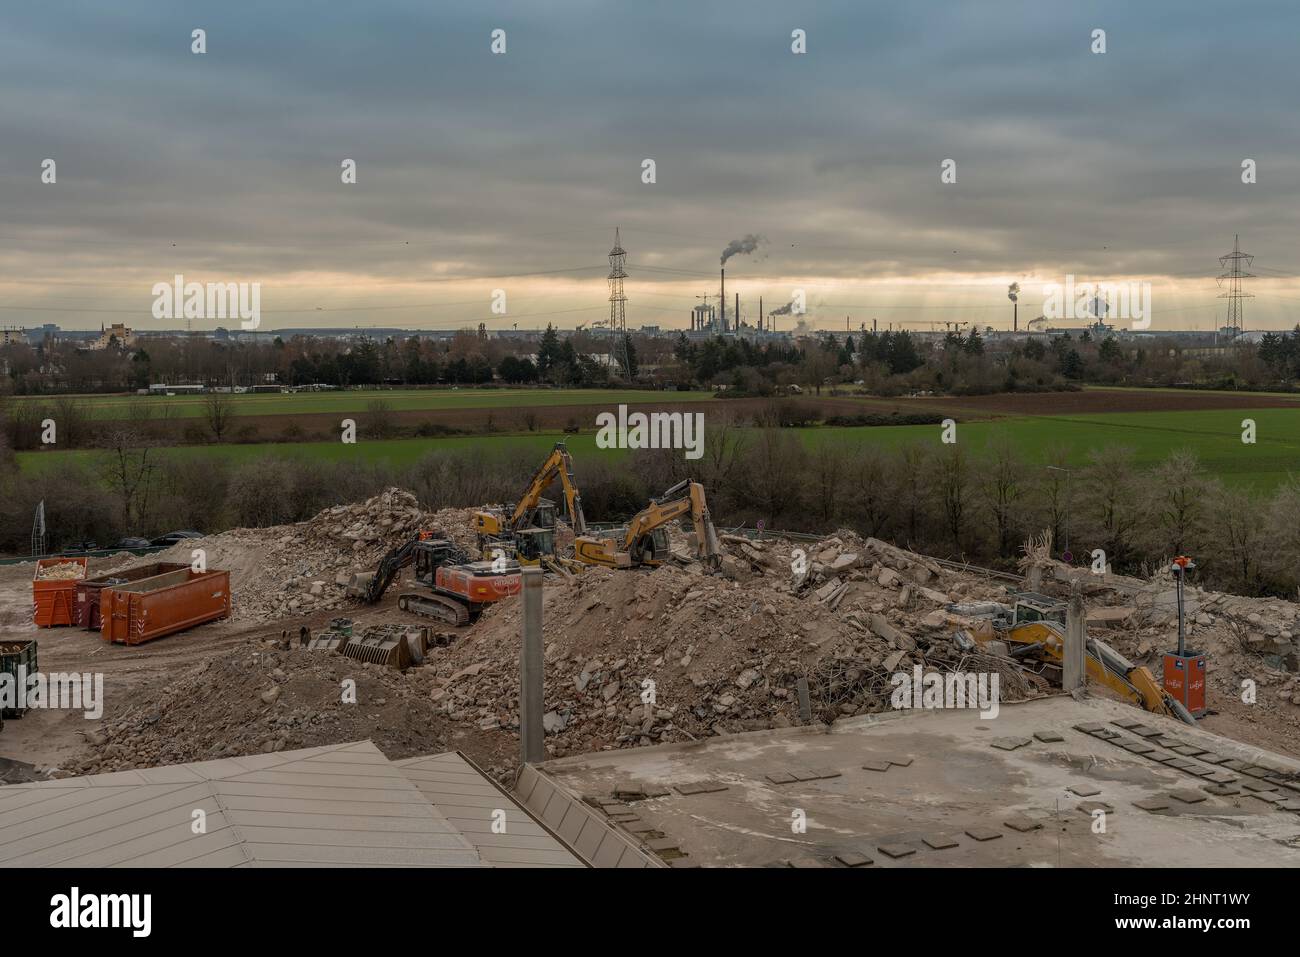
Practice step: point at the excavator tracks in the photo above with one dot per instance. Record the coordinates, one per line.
(433, 605)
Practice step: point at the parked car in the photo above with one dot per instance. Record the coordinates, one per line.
(86, 546)
(133, 543)
(171, 538)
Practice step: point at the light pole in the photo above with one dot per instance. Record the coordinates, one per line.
(1068, 472)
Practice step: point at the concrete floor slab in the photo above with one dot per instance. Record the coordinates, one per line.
(955, 783)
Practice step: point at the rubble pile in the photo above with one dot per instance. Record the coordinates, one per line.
(292, 570)
(262, 698)
(63, 571)
(674, 654)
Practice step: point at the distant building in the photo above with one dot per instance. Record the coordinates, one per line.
(163, 389)
(118, 331)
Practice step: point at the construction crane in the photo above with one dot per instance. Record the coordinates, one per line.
(528, 531)
(457, 590)
(645, 541)
(1034, 635)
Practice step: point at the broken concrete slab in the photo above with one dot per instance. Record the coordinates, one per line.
(852, 859)
(1153, 804)
(896, 851)
(939, 842)
(1022, 823)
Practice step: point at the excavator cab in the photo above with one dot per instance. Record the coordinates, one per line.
(533, 544)
(1031, 606)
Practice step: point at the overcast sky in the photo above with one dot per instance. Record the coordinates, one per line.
(479, 171)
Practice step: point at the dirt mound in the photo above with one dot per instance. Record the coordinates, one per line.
(260, 698)
(674, 654)
(291, 570)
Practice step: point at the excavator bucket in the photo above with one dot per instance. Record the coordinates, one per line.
(358, 584)
(396, 646)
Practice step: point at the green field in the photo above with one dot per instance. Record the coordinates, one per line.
(355, 401)
(1214, 436)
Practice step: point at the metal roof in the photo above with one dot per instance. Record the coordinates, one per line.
(503, 833)
(339, 805)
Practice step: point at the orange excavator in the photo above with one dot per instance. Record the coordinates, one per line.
(455, 590)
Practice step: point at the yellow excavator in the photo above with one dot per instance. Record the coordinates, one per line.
(1037, 633)
(526, 531)
(645, 540)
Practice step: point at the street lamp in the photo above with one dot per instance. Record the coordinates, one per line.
(1068, 472)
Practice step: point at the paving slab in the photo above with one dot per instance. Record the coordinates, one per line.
(1049, 737)
(1083, 790)
(851, 859)
(896, 851)
(983, 833)
(939, 842)
(1022, 823)
(1091, 807)
(874, 766)
(1222, 790)
(1153, 804)
(1009, 743)
(1187, 796)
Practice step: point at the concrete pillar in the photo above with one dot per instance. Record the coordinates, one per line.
(531, 746)
(1075, 665)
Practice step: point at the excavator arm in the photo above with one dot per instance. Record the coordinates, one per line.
(1045, 641)
(559, 464)
(686, 497)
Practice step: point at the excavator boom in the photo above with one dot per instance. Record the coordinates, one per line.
(640, 545)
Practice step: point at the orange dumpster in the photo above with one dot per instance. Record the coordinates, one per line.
(152, 607)
(86, 610)
(53, 598)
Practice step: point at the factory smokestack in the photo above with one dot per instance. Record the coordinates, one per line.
(1013, 293)
(723, 296)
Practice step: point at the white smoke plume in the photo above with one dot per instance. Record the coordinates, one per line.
(746, 244)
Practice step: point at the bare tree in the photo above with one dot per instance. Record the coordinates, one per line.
(218, 411)
(1238, 529)
(873, 491)
(1110, 501)
(379, 422)
(1002, 488)
(1177, 495)
(828, 472)
(70, 416)
(778, 470)
(953, 486)
(1056, 490)
(129, 472)
(913, 484)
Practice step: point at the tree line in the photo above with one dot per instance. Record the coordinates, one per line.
(972, 504)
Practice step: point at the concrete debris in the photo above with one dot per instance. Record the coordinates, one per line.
(294, 570)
